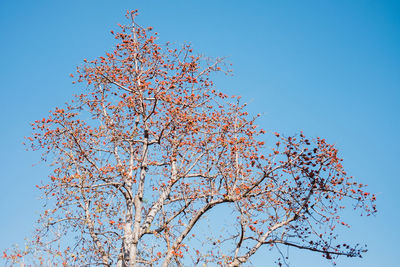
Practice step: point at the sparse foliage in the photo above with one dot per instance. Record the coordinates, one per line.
(151, 148)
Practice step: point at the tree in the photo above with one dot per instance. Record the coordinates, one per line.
(144, 156)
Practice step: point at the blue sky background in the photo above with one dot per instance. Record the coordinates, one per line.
(329, 68)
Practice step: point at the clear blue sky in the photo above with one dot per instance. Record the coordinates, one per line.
(329, 68)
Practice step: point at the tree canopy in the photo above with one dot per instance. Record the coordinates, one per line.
(142, 157)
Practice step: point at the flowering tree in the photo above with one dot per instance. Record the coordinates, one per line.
(144, 156)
